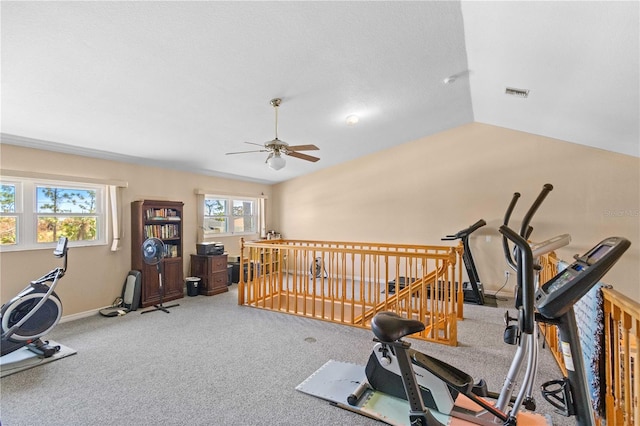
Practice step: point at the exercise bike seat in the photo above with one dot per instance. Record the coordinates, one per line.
(389, 326)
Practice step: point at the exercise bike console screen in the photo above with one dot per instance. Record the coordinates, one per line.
(61, 247)
(561, 292)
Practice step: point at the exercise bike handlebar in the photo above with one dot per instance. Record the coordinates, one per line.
(525, 270)
(465, 232)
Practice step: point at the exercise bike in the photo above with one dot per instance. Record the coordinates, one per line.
(34, 312)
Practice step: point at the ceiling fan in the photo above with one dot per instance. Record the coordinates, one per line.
(276, 147)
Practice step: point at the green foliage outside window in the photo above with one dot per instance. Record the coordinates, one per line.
(8, 224)
(67, 212)
(59, 210)
(229, 215)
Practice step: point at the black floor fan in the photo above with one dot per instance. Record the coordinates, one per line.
(152, 254)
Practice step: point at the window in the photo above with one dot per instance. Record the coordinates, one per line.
(8, 215)
(230, 215)
(64, 211)
(35, 213)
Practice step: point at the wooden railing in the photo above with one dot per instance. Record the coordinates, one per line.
(622, 338)
(348, 283)
(621, 329)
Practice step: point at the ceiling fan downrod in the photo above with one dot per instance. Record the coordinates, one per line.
(275, 103)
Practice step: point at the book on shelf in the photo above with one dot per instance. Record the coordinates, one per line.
(162, 214)
(162, 231)
(170, 250)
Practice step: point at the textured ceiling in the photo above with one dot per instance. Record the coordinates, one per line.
(178, 84)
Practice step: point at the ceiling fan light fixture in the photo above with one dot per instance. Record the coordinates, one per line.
(352, 120)
(276, 162)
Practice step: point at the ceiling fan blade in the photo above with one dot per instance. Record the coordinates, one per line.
(303, 148)
(276, 147)
(302, 156)
(253, 143)
(246, 152)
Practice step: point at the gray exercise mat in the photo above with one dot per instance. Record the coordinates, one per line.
(336, 380)
(23, 359)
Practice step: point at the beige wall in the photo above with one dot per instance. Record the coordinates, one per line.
(95, 274)
(423, 190)
(414, 193)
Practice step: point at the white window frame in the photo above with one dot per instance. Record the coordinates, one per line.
(208, 234)
(27, 214)
(17, 212)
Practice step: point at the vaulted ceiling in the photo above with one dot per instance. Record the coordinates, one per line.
(179, 84)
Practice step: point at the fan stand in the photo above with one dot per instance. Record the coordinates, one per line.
(160, 306)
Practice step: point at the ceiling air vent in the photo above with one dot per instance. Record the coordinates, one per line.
(521, 93)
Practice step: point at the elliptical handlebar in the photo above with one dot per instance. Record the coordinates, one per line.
(524, 229)
(61, 250)
(50, 276)
(525, 270)
(505, 241)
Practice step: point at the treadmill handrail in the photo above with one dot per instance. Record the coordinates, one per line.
(465, 232)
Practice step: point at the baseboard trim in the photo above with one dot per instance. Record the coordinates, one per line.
(79, 315)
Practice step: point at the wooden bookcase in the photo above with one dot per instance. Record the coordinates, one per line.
(163, 220)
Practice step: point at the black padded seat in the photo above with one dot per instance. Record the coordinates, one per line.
(389, 326)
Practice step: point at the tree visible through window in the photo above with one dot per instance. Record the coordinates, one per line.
(35, 213)
(66, 212)
(230, 215)
(8, 218)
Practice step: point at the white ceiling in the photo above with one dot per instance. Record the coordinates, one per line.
(178, 84)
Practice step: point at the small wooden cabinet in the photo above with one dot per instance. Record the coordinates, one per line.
(212, 271)
(163, 220)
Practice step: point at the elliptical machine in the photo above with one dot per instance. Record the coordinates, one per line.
(429, 384)
(554, 301)
(518, 334)
(383, 371)
(34, 312)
